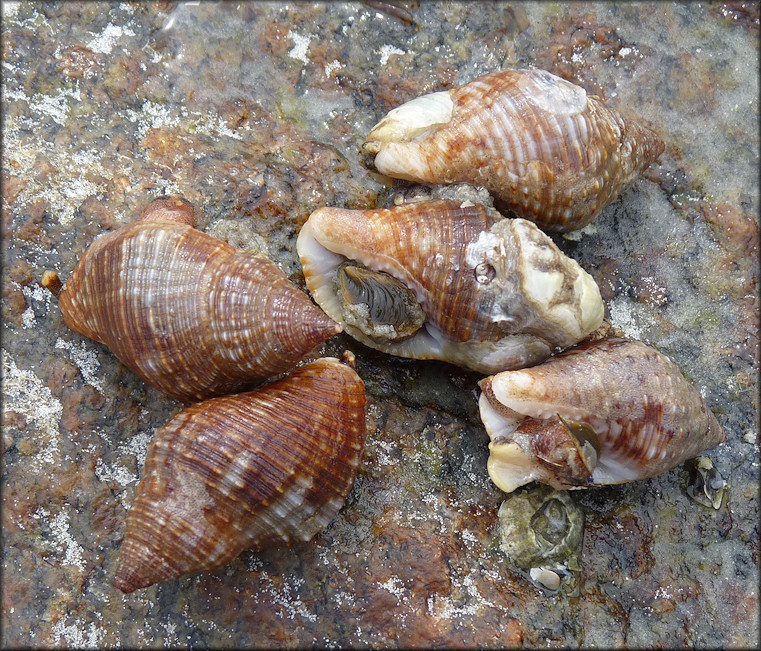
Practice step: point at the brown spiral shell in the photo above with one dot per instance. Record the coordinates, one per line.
(538, 143)
(244, 471)
(604, 412)
(188, 313)
(495, 293)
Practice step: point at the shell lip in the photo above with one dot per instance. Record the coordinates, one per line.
(509, 466)
(324, 249)
(392, 142)
(411, 120)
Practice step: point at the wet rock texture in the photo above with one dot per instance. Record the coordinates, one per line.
(255, 112)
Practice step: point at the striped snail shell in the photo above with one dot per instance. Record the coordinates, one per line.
(188, 313)
(538, 143)
(604, 412)
(449, 281)
(243, 471)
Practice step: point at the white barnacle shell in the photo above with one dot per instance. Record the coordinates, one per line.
(494, 293)
(540, 144)
(605, 412)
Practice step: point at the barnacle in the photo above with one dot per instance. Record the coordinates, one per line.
(541, 531)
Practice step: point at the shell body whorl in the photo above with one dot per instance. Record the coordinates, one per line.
(188, 313)
(538, 143)
(496, 293)
(242, 471)
(604, 412)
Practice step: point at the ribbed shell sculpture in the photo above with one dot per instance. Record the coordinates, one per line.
(604, 412)
(270, 466)
(188, 313)
(538, 143)
(448, 281)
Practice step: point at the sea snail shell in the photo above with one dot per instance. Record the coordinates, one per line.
(242, 471)
(604, 412)
(541, 530)
(191, 315)
(447, 281)
(538, 143)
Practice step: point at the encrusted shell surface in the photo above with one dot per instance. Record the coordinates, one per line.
(541, 530)
(242, 471)
(605, 412)
(188, 313)
(496, 293)
(540, 144)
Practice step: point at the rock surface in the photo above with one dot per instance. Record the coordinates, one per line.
(255, 112)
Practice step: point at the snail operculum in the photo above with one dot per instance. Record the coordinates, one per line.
(378, 304)
(585, 440)
(568, 449)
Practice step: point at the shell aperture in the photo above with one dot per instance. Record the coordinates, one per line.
(654, 420)
(540, 144)
(496, 293)
(378, 304)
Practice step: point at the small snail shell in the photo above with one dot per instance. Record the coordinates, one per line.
(191, 315)
(242, 471)
(448, 281)
(539, 144)
(541, 527)
(605, 412)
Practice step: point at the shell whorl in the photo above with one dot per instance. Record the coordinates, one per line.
(188, 313)
(244, 471)
(497, 293)
(647, 416)
(538, 143)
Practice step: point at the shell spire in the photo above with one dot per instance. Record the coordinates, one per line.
(543, 147)
(188, 313)
(604, 412)
(238, 472)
